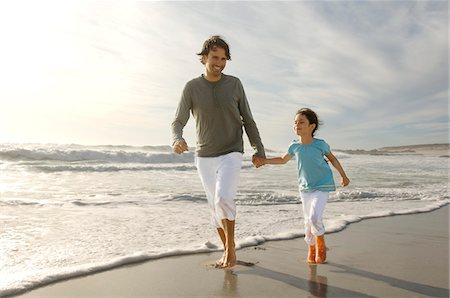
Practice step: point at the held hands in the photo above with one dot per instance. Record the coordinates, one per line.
(258, 161)
(180, 146)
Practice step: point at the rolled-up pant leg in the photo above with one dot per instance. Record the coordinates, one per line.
(220, 178)
(313, 204)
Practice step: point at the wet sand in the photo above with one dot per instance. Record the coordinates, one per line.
(398, 256)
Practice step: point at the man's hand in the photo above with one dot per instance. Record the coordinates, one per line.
(180, 146)
(258, 161)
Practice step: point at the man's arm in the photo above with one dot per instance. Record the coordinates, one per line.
(250, 125)
(179, 145)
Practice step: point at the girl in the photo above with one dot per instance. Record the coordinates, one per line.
(315, 178)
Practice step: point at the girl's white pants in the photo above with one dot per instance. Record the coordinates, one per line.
(313, 204)
(220, 178)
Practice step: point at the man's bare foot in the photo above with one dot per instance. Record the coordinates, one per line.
(219, 262)
(230, 259)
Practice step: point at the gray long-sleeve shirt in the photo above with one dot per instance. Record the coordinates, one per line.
(220, 110)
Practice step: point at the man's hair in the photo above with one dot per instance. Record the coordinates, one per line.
(212, 43)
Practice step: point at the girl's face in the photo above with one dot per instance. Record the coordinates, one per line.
(302, 127)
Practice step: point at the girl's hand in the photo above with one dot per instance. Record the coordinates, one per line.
(345, 181)
(258, 161)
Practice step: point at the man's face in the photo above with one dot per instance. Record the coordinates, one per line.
(215, 62)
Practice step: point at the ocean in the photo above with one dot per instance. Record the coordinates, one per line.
(70, 210)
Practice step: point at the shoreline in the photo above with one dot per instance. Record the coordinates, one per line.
(383, 256)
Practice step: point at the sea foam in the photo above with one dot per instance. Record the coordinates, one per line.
(71, 210)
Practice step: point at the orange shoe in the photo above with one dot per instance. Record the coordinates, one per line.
(312, 254)
(321, 252)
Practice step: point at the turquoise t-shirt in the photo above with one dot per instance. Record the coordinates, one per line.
(314, 173)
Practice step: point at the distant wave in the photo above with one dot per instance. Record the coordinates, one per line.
(107, 158)
(102, 155)
(273, 198)
(110, 168)
(104, 203)
(265, 199)
(381, 195)
(353, 196)
(187, 198)
(19, 202)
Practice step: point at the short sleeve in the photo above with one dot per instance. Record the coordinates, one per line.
(291, 149)
(325, 147)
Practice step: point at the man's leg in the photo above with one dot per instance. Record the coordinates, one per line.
(223, 238)
(226, 189)
(207, 170)
(230, 249)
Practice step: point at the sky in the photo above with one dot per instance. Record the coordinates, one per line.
(112, 72)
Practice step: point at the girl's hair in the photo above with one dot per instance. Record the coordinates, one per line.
(211, 44)
(311, 116)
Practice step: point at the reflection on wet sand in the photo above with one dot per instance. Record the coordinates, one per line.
(318, 284)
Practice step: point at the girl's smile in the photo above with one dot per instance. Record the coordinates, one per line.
(302, 127)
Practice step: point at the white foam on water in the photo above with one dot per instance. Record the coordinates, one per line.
(73, 210)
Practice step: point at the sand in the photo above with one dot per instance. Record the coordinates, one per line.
(398, 256)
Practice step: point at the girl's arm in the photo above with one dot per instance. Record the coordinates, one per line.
(337, 165)
(277, 160)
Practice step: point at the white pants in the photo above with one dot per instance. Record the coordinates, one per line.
(220, 178)
(313, 204)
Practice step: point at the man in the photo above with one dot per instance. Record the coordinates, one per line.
(220, 108)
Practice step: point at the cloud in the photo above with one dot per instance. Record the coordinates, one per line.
(371, 76)
(115, 70)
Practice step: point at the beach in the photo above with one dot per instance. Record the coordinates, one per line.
(394, 256)
(71, 211)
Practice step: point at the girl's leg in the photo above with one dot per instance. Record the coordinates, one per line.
(317, 228)
(311, 254)
(307, 200)
(319, 200)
